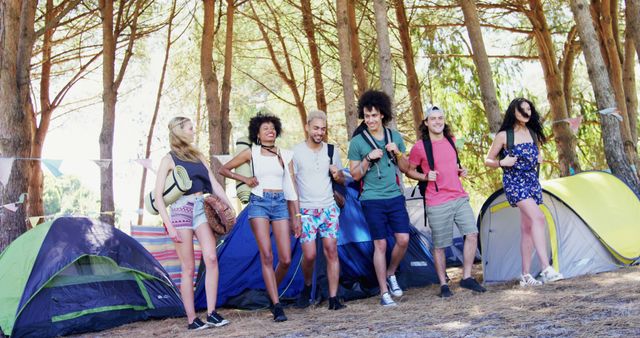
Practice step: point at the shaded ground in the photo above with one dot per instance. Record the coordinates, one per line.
(601, 305)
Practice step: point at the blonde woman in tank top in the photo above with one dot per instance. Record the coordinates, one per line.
(187, 219)
(271, 187)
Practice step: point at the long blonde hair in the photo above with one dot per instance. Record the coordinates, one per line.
(178, 142)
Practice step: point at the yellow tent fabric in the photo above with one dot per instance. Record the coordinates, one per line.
(607, 206)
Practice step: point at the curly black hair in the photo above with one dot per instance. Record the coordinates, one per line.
(533, 123)
(258, 120)
(375, 98)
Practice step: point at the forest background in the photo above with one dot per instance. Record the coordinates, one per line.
(87, 87)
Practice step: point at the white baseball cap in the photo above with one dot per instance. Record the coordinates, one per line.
(433, 109)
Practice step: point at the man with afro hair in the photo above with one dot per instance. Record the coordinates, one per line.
(375, 154)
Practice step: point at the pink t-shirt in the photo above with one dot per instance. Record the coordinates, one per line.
(444, 158)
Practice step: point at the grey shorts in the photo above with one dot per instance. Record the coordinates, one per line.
(442, 218)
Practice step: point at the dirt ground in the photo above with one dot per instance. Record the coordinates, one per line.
(606, 304)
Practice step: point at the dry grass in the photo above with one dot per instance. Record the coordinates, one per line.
(592, 306)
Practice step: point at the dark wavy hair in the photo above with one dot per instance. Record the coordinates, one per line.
(375, 98)
(258, 120)
(533, 123)
(424, 131)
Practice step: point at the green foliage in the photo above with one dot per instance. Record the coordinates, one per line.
(66, 195)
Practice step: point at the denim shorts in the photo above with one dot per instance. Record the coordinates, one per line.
(386, 216)
(271, 206)
(188, 212)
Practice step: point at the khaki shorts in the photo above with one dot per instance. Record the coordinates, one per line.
(442, 218)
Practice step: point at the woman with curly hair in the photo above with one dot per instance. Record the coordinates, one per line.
(188, 218)
(272, 185)
(519, 161)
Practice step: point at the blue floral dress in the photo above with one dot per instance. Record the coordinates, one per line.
(521, 181)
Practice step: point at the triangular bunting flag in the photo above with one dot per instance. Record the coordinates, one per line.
(103, 164)
(11, 207)
(53, 166)
(574, 123)
(5, 170)
(34, 220)
(146, 162)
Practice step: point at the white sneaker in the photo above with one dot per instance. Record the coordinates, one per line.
(528, 280)
(550, 275)
(393, 286)
(387, 300)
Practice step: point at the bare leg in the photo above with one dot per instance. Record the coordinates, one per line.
(397, 254)
(439, 260)
(209, 256)
(539, 236)
(260, 228)
(185, 254)
(469, 254)
(330, 247)
(308, 260)
(282, 233)
(533, 234)
(380, 263)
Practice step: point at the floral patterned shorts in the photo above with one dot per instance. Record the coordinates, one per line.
(323, 221)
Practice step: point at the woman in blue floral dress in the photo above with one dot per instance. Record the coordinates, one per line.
(521, 184)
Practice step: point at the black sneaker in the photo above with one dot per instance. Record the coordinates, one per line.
(445, 292)
(472, 284)
(197, 325)
(278, 313)
(334, 304)
(303, 298)
(215, 319)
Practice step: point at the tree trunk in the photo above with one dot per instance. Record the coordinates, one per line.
(110, 85)
(629, 81)
(16, 38)
(613, 146)
(481, 60)
(346, 70)
(210, 81)
(565, 140)
(413, 85)
(569, 54)
(612, 60)
(632, 10)
(309, 29)
(384, 54)
(156, 109)
(356, 59)
(36, 182)
(226, 80)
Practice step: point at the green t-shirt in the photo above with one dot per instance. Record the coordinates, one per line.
(380, 180)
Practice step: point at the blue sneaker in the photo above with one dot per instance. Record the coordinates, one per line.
(387, 300)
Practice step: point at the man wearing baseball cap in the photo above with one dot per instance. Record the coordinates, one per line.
(446, 201)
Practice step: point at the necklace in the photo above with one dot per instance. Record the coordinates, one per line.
(268, 147)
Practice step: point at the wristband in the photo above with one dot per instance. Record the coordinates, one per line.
(499, 165)
(368, 158)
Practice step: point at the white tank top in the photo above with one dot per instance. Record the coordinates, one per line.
(269, 172)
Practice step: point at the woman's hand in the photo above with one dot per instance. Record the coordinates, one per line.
(297, 226)
(508, 161)
(173, 234)
(252, 181)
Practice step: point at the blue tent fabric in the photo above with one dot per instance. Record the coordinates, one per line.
(241, 284)
(86, 302)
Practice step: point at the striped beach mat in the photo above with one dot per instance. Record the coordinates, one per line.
(158, 243)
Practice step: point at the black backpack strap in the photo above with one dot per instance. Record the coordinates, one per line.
(330, 151)
(388, 138)
(534, 139)
(428, 149)
(453, 144)
(510, 139)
